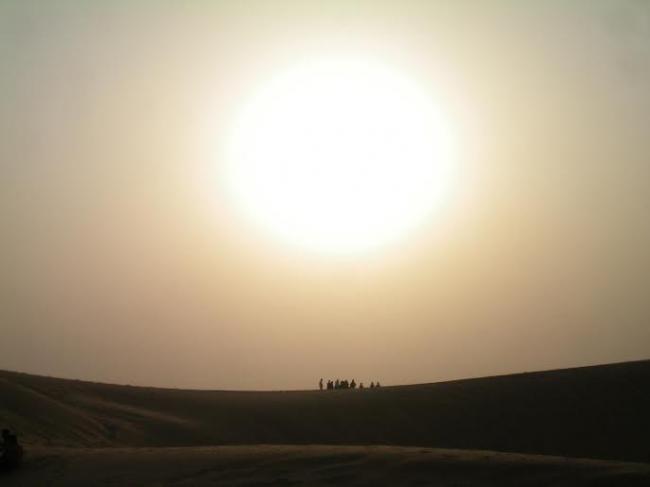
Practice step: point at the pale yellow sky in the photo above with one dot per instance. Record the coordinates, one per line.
(122, 260)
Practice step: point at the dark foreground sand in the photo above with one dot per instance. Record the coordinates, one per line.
(280, 465)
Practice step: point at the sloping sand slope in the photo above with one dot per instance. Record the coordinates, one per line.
(316, 465)
(593, 412)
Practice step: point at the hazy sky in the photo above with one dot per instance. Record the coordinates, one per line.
(122, 261)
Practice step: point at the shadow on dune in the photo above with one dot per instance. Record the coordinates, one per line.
(593, 412)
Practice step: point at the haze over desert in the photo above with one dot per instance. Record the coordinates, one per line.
(325, 242)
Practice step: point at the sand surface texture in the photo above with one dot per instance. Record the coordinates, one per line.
(278, 465)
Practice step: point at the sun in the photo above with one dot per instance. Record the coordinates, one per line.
(339, 155)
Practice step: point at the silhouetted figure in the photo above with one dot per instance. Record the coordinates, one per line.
(372, 385)
(353, 385)
(337, 384)
(377, 384)
(361, 386)
(330, 385)
(320, 384)
(11, 453)
(344, 384)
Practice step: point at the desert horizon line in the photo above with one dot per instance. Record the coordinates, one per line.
(315, 389)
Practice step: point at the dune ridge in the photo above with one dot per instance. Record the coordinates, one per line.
(600, 412)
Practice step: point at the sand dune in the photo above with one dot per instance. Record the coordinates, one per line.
(80, 433)
(278, 465)
(593, 412)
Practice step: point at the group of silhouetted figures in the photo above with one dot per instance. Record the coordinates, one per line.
(11, 453)
(345, 384)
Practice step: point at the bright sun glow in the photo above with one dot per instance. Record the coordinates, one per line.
(339, 155)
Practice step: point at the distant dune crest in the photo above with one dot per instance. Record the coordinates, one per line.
(593, 412)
